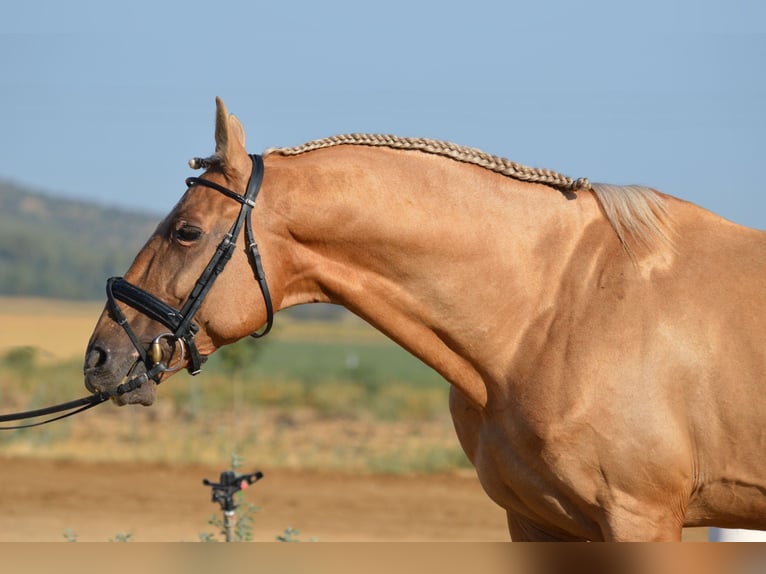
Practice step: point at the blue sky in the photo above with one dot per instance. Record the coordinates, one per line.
(107, 101)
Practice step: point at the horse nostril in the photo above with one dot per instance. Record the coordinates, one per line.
(96, 357)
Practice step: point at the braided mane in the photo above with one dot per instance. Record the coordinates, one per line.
(637, 213)
(460, 153)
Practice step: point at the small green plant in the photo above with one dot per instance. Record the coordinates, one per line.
(70, 535)
(21, 359)
(243, 524)
(289, 535)
(122, 537)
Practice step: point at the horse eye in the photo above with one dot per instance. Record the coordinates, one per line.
(187, 234)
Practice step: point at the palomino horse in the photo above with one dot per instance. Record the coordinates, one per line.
(605, 345)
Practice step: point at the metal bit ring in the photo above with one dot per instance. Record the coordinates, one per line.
(155, 353)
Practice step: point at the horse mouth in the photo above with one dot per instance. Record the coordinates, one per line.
(107, 380)
(144, 395)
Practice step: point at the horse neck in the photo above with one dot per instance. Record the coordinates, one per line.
(437, 254)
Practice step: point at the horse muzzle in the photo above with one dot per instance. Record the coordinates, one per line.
(131, 380)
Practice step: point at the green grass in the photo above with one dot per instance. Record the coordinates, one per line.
(347, 350)
(339, 372)
(337, 379)
(321, 360)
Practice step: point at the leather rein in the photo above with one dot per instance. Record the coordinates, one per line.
(179, 322)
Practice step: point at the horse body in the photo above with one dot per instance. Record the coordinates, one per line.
(616, 402)
(602, 390)
(566, 355)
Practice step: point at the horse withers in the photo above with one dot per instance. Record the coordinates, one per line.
(604, 344)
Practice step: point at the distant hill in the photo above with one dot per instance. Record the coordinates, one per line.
(66, 249)
(63, 248)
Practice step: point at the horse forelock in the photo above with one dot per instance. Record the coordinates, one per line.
(637, 214)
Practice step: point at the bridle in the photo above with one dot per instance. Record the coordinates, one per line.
(180, 323)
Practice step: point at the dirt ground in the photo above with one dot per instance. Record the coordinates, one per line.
(41, 499)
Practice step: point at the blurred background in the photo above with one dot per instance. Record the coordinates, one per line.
(102, 104)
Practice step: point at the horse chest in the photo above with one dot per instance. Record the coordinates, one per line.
(515, 475)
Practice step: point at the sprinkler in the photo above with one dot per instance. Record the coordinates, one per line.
(223, 493)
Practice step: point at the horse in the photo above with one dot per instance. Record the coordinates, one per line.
(604, 344)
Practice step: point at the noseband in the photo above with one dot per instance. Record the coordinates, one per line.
(181, 322)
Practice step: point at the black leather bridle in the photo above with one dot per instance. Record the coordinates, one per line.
(179, 322)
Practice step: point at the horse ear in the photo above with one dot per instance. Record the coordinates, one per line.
(229, 139)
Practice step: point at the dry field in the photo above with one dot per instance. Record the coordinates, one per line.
(60, 329)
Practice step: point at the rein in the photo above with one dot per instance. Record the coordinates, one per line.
(180, 322)
(80, 405)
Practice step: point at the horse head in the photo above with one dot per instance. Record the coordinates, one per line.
(196, 285)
